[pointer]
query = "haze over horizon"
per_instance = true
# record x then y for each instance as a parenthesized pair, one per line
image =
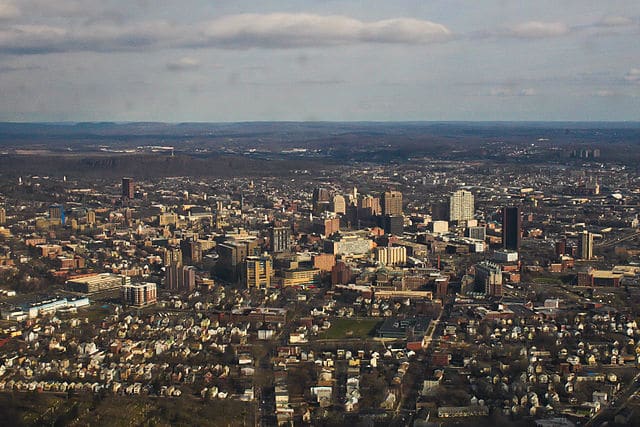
(72, 60)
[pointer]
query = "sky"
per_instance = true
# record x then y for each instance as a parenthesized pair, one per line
(378, 60)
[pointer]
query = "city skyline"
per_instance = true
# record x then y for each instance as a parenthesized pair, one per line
(338, 61)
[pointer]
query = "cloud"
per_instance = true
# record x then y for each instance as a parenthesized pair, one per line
(615, 21)
(507, 92)
(14, 68)
(538, 29)
(269, 31)
(605, 93)
(290, 30)
(8, 10)
(633, 75)
(182, 64)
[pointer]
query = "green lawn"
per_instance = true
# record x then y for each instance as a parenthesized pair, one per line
(348, 328)
(547, 280)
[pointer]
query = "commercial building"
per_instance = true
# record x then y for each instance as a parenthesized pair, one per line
(461, 206)
(396, 255)
(505, 255)
(391, 202)
(585, 247)
(300, 277)
(140, 294)
(347, 245)
(97, 282)
(279, 239)
(393, 224)
(477, 232)
(56, 213)
(180, 278)
(511, 228)
(489, 278)
(338, 204)
(258, 272)
(232, 255)
(326, 226)
(128, 188)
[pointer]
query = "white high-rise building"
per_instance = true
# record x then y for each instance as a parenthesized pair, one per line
(461, 206)
(395, 255)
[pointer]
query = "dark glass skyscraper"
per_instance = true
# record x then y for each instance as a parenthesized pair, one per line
(511, 227)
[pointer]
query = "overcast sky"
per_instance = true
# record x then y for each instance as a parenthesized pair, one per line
(197, 60)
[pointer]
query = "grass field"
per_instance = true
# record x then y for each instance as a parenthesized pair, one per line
(350, 328)
(547, 280)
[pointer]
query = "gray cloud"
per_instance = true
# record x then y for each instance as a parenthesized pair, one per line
(633, 76)
(508, 92)
(538, 29)
(615, 21)
(184, 63)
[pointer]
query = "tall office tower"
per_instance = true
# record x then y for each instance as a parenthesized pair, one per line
(393, 224)
(461, 207)
(353, 196)
(3, 216)
(321, 200)
(586, 245)
(57, 212)
(369, 206)
(128, 188)
(489, 278)
(338, 204)
(91, 217)
(279, 238)
(511, 228)
(258, 272)
(391, 202)
(191, 251)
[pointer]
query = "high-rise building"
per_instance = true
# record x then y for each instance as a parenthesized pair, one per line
(326, 226)
(340, 274)
(511, 228)
(321, 200)
(258, 272)
(461, 206)
(369, 206)
(57, 212)
(139, 294)
(188, 278)
(279, 239)
(3, 216)
(191, 251)
(391, 202)
(128, 188)
(338, 204)
(180, 278)
(586, 245)
(173, 256)
(393, 224)
(395, 255)
(91, 217)
(232, 255)
(489, 278)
